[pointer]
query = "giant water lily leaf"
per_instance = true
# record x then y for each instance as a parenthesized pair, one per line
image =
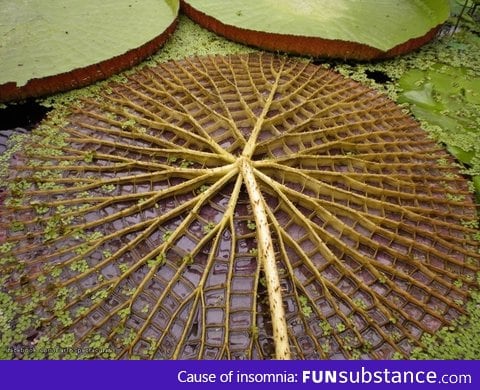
(247, 206)
(344, 28)
(48, 46)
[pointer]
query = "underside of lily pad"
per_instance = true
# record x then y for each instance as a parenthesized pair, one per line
(49, 47)
(343, 29)
(250, 206)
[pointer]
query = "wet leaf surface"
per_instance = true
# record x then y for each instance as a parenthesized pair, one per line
(133, 225)
(341, 29)
(53, 46)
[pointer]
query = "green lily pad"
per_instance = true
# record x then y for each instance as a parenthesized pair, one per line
(341, 28)
(51, 45)
(447, 97)
(476, 183)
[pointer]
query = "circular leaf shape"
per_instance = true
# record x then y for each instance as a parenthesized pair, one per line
(361, 30)
(248, 206)
(52, 46)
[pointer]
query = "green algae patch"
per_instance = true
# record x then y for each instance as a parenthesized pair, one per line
(189, 39)
(45, 39)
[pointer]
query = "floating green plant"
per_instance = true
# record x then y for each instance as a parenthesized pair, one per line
(447, 99)
(52, 47)
(342, 29)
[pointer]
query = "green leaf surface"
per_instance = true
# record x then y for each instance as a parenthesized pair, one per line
(379, 24)
(447, 97)
(476, 183)
(45, 38)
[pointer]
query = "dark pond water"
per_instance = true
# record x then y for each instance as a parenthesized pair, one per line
(19, 118)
